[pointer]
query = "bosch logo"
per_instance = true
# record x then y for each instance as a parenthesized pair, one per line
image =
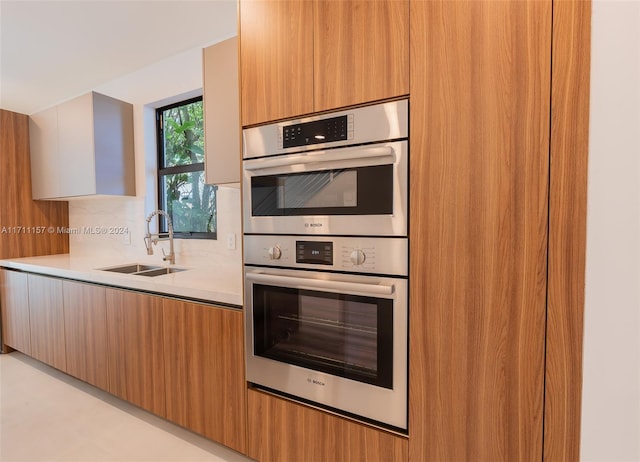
(313, 225)
(315, 382)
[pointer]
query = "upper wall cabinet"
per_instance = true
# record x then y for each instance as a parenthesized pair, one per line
(221, 113)
(276, 59)
(83, 147)
(361, 52)
(302, 57)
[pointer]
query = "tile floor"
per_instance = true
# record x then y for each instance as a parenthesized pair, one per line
(46, 415)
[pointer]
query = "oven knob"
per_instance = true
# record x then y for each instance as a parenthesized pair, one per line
(274, 253)
(358, 257)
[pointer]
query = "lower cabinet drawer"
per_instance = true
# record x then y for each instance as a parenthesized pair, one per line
(283, 431)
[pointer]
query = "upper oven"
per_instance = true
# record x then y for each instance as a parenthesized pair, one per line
(342, 173)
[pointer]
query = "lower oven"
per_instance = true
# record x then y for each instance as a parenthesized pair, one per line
(335, 339)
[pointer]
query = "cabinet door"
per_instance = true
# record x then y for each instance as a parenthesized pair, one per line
(14, 301)
(135, 346)
(76, 146)
(85, 323)
(480, 109)
(276, 59)
(221, 113)
(206, 389)
(280, 430)
(46, 315)
(45, 161)
(361, 51)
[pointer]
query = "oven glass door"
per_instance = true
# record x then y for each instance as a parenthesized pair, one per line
(353, 191)
(348, 336)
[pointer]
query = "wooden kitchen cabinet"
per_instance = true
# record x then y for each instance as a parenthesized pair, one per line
(204, 370)
(276, 59)
(480, 111)
(25, 223)
(361, 51)
(14, 302)
(302, 57)
(221, 113)
(281, 430)
(85, 322)
(46, 320)
(136, 349)
(83, 147)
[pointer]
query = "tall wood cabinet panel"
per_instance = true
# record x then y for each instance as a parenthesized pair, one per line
(276, 55)
(85, 322)
(14, 301)
(204, 370)
(567, 228)
(46, 319)
(28, 221)
(280, 430)
(480, 109)
(135, 345)
(361, 51)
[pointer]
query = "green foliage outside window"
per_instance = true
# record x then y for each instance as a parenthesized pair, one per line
(183, 193)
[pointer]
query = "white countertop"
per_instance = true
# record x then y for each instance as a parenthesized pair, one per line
(197, 283)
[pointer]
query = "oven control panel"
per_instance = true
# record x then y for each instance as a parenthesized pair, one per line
(316, 132)
(351, 254)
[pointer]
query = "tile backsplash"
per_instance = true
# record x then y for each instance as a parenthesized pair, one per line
(113, 228)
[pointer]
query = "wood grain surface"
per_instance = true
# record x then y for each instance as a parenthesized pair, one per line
(480, 109)
(24, 223)
(567, 228)
(276, 59)
(361, 51)
(283, 431)
(14, 302)
(204, 371)
(46, 319)
(135, 346)
(85, 325)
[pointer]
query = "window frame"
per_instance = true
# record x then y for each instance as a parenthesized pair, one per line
(162, 171)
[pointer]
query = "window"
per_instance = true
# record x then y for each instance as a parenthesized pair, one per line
(182, 192)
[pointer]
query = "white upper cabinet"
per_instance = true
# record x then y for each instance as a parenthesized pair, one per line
(83, 147)
(221, 113)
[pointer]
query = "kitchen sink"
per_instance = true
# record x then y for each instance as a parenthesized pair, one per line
(139, 269)
(160, 271)
(131, 268)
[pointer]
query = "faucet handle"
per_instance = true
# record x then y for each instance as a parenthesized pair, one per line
(168, 256)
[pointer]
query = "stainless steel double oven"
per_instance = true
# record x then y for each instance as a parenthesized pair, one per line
(326, 260)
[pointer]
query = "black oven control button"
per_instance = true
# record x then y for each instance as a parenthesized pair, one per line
(358, 257)
(274, 253)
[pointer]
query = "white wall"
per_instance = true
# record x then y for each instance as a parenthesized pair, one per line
(167, 81)
(611, 387)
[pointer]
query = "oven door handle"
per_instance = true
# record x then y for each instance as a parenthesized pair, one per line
(322, 284)
(335, 156)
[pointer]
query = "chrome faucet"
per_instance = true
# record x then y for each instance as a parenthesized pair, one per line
(150, 239)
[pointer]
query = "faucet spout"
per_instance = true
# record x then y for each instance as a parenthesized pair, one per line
(150, 238)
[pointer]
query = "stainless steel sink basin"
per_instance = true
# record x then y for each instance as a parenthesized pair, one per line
(160, 271)
(139, 269)
(131, 268)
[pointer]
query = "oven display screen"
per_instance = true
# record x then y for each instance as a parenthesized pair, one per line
(317, 253)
